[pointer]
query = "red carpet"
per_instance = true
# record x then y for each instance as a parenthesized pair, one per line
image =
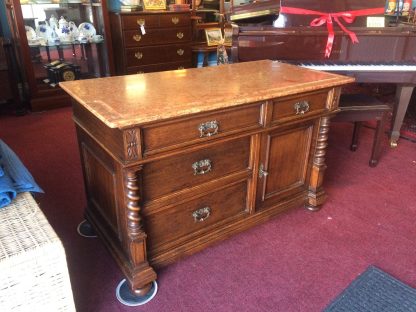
(299, 261)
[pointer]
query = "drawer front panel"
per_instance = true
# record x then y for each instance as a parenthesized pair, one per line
(194, 168)
(196, 216)
(158, 67)
(185, 132)
(175, 20)
(134, 38)
(299, 106)
(159, 54)
(134, 21)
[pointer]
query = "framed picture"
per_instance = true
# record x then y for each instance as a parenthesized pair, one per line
(154, 4)
(228, 36)
(214, 36)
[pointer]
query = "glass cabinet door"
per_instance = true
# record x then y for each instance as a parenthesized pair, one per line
(64, 40)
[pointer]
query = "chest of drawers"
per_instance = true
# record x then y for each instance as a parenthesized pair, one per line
(173, 163)
(163, 45)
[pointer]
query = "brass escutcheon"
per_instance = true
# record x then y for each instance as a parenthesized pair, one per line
(202, 214)
(180, 51)
(179, 35)
(140, 21)
(137, 38)
(138, 55)
(175, 20)
(301, 107)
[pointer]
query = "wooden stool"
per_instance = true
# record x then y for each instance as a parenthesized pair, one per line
(358, 108)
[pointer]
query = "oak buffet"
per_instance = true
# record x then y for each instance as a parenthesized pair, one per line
(175, 161)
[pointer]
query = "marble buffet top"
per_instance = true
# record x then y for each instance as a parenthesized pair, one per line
(123, 101)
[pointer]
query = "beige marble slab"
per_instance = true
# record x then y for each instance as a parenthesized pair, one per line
(123, 101)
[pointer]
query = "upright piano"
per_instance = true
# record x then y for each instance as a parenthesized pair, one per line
(384, 54)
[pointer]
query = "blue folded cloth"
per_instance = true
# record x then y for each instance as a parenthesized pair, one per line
(14, 177)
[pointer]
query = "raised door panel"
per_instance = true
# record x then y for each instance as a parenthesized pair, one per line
(284, 164)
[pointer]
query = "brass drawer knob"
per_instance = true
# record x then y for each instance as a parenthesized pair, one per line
(202, 214)
(179, 35)
(175, 20)
(138, 55)
(180, 51)
(202, 167)
(301, 107)
(140, 21)
(137, 37)
(208, 129)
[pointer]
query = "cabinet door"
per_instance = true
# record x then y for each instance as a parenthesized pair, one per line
(284, 167)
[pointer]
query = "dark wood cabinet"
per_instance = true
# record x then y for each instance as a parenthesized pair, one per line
(151, 41)
(171, 167)
(90, 58)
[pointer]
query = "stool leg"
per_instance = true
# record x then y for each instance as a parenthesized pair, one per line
(378, 138)
(355, 134)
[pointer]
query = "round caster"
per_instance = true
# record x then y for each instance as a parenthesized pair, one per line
(126, 297)
(85, 230)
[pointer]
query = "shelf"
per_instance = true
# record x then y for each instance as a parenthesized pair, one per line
(91, 59)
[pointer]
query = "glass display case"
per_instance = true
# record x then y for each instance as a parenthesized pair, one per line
(61, 40)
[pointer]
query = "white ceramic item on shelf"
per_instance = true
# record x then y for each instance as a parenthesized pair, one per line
(30, 33)
(53, 22)
(64, 34)
(97, 38)
(44, 31)
(87, 30)
(62, 22)
(54, 39)
(74, 29)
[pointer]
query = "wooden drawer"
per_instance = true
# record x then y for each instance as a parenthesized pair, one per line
(182, 132)
(175, 20)
(133, 38)
(159, 54)
(195, 168)
(184, 221)
(134, 21)
(159, 67)
(299, 106)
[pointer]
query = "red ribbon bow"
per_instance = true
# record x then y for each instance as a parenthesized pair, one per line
(326, 18)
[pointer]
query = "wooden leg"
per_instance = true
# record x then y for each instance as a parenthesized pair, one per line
(316, 195)
(378, 138)
(403, 95)
(355, 135)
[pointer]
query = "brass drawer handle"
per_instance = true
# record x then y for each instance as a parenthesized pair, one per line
(180, 51)
(181, 67)
(140, 21)
(208, 129)
(140, 72)
(202, 214)
(301, 107)
(175, 20)
(179, 35)
(137, 38)
(138, 55)
(202, 167)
